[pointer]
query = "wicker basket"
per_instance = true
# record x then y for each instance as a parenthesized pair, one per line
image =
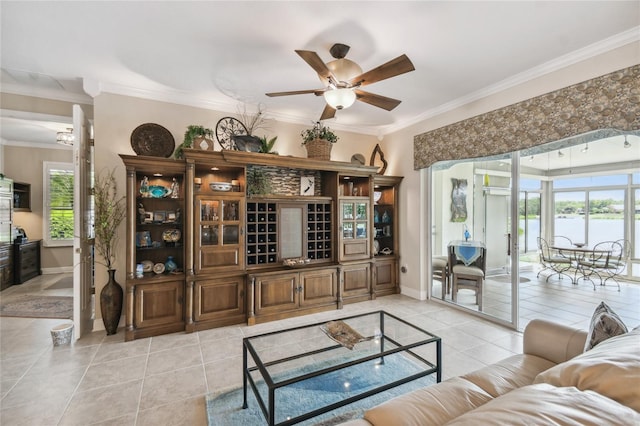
(319, 149)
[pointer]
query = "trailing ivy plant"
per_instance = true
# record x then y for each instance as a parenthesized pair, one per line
(319, 131)
(193, 132)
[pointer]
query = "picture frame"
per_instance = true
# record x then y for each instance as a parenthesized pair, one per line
(159, 216)
(170, 217)
(307, 185)
(148, 217)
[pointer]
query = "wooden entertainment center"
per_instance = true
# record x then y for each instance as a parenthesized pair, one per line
(337, 219)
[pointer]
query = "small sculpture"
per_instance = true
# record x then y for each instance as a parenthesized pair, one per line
(144, 187)
(175, 189)
(467, 235)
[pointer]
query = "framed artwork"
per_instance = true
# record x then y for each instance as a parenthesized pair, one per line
(307, 185)
(171, 216)
(159, 216)
(459, 200)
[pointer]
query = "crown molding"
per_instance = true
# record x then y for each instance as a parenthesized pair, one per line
(56, 95)
(595, 49)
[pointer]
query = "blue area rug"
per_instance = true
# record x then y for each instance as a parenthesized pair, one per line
(225, 409)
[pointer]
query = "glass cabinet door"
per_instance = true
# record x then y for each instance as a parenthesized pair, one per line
(220, 239)
(355, 229)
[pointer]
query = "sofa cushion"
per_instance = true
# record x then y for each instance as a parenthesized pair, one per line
(543, 404)
(508, 374)
(431, 405)
(612, 369)
(605, 323)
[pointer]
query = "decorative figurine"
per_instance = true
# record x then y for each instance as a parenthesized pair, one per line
(467, 235)
(141, 212)
(144, 187)
(175, 189)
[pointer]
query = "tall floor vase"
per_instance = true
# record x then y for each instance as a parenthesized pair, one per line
(111, 303)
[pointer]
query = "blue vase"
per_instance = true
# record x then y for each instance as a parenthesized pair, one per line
(170, 265)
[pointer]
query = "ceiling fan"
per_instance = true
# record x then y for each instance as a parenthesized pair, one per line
(343, 79)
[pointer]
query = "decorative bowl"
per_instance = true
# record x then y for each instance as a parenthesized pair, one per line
(220, 186)
(158, 191)
(147, 266)
(171, 235)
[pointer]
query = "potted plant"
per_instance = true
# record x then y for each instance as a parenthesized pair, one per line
(252, 122)
(194, 135)
(318, 141)
(266, 146)
(110, 209)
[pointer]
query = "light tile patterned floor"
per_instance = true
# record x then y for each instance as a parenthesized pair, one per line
(162, 380)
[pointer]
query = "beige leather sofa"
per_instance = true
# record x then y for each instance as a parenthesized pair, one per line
(552, 383)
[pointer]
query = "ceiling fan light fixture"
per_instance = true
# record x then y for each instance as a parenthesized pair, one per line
(65, 138)
(343, 69)
(340, 98)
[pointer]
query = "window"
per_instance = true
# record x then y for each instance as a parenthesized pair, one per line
(58, 204)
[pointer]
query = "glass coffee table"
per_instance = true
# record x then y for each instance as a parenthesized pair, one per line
(302, 372)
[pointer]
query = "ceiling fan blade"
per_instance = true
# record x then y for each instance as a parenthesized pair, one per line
(394, 67)
(317, 92)
(377, 100)
(316, 63)
(328, 112)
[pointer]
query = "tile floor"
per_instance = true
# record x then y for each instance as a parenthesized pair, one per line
(162, 380)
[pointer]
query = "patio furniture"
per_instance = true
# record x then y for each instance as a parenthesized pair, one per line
(554, 261)
(468, 261)
(605, 261)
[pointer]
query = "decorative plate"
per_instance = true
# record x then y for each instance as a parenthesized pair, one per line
(158, 191)
(158, 268)
(147, 266)
(171, 235)
(153, 140)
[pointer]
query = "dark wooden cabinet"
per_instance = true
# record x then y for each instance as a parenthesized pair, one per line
(156, 231)
(6, 266)
(158, 308)
(247, 256)
(21, 197)
(281, 294)
(218, 302)
(26, 261)
(356, 282)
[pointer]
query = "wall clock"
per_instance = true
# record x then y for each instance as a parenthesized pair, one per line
(307, 185)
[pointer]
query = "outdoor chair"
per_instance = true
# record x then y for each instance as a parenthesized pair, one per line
(467, 277)
(605, 262)
(555, 262)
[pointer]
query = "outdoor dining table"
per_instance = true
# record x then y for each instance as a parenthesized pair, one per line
(577, 253)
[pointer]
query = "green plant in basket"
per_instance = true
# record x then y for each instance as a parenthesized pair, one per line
(193, 132)
(319, 131)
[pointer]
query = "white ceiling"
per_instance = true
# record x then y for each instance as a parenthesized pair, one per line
(221, 54)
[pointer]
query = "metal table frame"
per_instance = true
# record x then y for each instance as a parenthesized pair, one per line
(268, 408)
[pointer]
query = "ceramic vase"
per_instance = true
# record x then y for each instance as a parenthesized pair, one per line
(111, 303)
(170, 264)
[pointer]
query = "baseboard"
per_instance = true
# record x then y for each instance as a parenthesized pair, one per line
(57, 270)
(413, 293)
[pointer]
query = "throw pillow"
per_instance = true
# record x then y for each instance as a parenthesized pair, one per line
(604, 324)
